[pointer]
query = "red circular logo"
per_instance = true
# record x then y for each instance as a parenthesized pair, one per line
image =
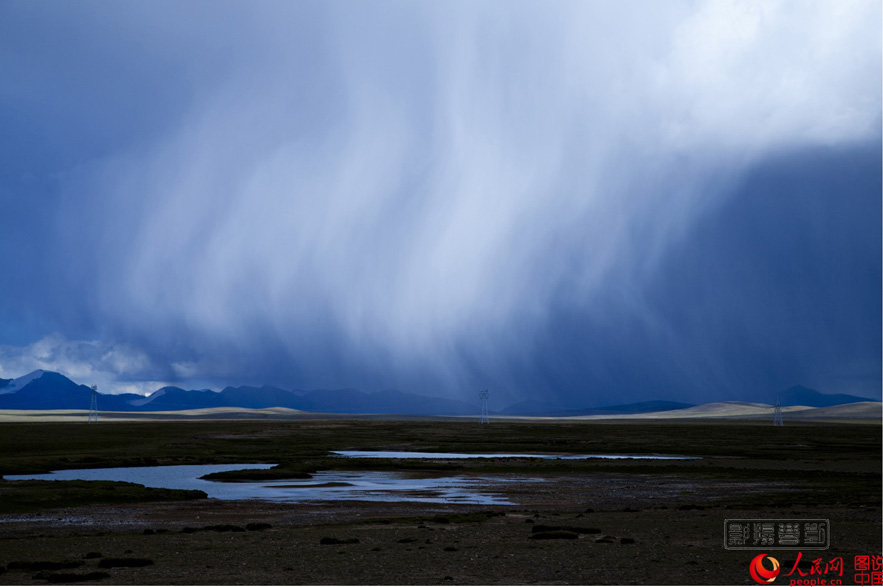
(760, 573)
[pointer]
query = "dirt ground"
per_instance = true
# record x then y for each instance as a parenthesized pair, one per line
(631, 529)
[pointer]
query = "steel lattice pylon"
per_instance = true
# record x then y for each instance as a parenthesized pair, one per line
(93, 406)
(484, 415)
(777, 414)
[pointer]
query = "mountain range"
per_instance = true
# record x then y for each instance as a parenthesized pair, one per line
(48, 390)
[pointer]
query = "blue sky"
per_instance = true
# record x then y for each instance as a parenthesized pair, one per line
(580, 203)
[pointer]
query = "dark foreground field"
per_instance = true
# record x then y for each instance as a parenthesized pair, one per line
(608, 522)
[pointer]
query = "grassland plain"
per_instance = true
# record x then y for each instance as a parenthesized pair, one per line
(607, 521)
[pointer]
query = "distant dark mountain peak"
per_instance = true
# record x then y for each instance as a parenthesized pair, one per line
(175, 398)
(44, 390)
(15, 385)
(798, 395)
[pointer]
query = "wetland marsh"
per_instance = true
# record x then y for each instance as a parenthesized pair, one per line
(657, 520)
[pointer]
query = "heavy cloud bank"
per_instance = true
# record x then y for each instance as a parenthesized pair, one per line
(582, 202)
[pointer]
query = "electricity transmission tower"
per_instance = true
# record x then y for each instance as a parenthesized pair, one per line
(93, 406)
(484, 416)
(777, 414)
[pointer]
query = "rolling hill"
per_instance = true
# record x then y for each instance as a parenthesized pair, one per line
(534, 408)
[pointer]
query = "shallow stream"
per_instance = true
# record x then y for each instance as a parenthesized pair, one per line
(390, 454)
(331, 485)
(323, 486)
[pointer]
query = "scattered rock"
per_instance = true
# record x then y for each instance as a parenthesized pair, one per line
(43, 565)
(544, 528)
(554, 535)
(71, 577)
(224, 528)
(330, 540)
(109, 563)
(576, 529)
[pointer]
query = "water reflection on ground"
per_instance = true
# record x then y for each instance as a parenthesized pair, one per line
(324, 485)
(393, 486)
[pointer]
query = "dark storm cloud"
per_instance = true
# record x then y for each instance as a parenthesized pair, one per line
(550, 201)
(776, 286)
